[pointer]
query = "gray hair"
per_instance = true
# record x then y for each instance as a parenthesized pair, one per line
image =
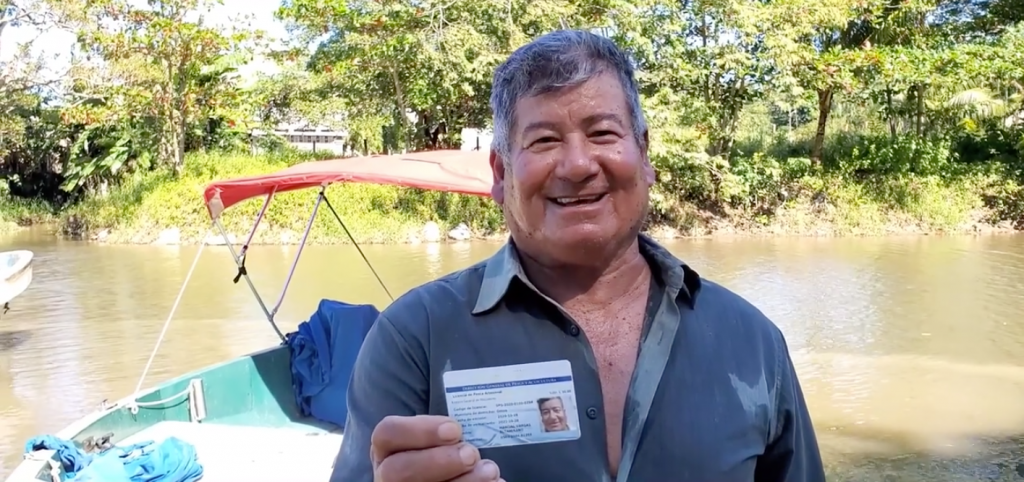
(554, 61)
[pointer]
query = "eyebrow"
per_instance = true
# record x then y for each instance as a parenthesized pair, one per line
(587, 121)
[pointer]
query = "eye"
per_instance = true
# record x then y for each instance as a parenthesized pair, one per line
(544, 140)
(605, 136)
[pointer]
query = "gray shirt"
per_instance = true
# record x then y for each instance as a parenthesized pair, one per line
(714, 396)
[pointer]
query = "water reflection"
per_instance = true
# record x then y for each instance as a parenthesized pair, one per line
(909, 350)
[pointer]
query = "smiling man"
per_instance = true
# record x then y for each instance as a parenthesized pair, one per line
(672, 376)
(552, 414)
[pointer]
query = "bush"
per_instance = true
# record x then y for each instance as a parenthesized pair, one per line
(879, 187)
(16, 212)
(139, 208)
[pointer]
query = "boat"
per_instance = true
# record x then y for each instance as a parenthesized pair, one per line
(15, 276)
(273, 415)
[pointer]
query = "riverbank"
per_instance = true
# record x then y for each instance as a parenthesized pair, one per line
(156, 208)
(16, 213)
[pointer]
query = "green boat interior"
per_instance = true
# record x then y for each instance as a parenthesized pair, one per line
(241, 416)
(274, 415)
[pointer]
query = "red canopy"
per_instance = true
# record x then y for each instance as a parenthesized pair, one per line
(466, 172)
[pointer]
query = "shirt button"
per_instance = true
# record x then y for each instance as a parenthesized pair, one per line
(592, 413)
(574, 330)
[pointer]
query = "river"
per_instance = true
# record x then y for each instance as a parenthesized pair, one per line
(910, 350)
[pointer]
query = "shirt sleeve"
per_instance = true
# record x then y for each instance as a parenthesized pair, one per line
(792, 455)
(390, 377)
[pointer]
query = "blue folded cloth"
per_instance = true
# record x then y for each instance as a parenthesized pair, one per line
(171, 460)
(323, 352)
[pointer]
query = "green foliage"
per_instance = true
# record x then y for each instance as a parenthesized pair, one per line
(799, 116)
(162, 71)
(16, 211)
(139, 208)
(411, 74)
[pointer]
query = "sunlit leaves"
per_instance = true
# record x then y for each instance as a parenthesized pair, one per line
(148, 74)
(422, 70)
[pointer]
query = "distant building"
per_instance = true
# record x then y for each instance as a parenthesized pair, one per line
(315, 138)
(318, 138)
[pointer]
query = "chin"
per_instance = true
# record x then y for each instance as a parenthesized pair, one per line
(580, 246)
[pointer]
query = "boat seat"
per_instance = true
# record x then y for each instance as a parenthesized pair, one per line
(232, 453)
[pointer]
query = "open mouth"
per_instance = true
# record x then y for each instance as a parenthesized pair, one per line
(577, 201)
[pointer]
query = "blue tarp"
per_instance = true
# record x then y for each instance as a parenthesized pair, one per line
(323, 352)
(171, 460)
(71, 458)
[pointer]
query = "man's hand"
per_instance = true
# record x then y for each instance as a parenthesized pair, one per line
(426, 448)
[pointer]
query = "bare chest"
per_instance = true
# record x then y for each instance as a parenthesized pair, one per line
(614, 335)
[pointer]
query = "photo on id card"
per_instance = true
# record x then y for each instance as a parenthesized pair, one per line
(514, 404)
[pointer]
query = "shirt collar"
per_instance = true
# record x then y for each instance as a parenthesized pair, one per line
(504, 266)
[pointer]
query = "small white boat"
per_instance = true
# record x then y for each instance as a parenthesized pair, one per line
(15, 275)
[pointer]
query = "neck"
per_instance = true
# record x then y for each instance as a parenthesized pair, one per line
(600, 284)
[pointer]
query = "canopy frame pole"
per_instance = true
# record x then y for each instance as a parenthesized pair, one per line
(242, 271)
(298, 254)
(240, 262)
(256, 223)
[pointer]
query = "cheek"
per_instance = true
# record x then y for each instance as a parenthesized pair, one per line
(525, 187)
(530, 174)
(632, 204)
(516, 208)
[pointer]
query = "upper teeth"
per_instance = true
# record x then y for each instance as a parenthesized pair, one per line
(566, 200)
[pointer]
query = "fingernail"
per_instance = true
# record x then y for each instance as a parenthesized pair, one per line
(448, 431)
(466, 453)
(490, 470)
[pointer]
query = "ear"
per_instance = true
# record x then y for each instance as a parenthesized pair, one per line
(648, 169)
(498, 169)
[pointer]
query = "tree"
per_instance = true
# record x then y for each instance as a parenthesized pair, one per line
(421, 70)
(154, 70)
(22, 78)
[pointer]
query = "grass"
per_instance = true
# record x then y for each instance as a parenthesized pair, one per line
(139, 208)
(16, 212)
(829, 204)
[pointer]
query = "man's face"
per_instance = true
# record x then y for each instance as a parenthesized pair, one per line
(578, 178)
(552, 413)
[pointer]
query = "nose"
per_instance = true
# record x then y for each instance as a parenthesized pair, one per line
(576, 163)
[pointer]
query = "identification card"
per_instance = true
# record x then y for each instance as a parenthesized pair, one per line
(515, 404)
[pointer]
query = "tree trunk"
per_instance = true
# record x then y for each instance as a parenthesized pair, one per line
(920, 110)
(179, 152)
(824, 109)
(400, 102)
(890, 116)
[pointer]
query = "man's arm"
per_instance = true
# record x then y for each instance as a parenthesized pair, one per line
(390, 377)
(792, 455)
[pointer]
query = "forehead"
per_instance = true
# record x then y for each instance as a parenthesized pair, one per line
(601, 96)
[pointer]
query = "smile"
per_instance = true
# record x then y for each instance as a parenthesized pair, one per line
(576, 201)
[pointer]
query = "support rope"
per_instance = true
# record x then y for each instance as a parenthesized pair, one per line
(134, 405)
(351, 238)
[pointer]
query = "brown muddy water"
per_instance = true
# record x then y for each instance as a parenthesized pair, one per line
(910, 350)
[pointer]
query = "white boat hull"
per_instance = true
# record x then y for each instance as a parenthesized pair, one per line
(15, 274)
